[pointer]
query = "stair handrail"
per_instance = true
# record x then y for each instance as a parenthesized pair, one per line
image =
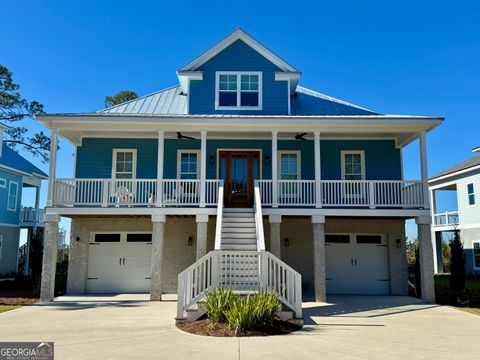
(218, 230)
(258, 218)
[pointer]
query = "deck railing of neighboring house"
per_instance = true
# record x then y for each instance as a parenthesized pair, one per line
(287, 193)
(30, 215)
(447, 218)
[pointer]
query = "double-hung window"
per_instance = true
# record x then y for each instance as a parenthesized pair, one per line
(238, 91)
(353, 169)
(476, 254)
(124, 163)
(471, 194)
(289, 169)
(12, 196)
(188, 164)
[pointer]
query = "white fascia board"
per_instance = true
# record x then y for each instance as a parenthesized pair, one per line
(456, 173)
(238, 34)
(184, 78)
(292, 77)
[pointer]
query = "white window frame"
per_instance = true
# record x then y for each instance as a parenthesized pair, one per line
(239, 90)
(3, 183)
(353, 152)
(114, 163)
(298, 153)
(8, 196)
(179, 161)
(468, 195)
(473, 253)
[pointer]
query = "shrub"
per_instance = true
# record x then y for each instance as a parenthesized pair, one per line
(265, 305)
(241, 315)
(218, 302)
(457, 264)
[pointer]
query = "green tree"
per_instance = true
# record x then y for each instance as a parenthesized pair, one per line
(120, 97)
(457, 264)
(14, 108)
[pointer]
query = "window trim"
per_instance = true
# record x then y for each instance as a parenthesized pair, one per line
(1, 245)
(362, 162)
(473, 193)
(473, 254)
(3, 183)
(8, 196)
(239, 90)
(299, 162)
(180, 152)
(114, 163)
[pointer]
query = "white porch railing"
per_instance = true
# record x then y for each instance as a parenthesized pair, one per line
(258, 219)
(28, 215)
(239, 271)
(218, 229)
(447, 218)
(128, 192)
(345, 193)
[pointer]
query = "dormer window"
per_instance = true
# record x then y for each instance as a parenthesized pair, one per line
(238, 91)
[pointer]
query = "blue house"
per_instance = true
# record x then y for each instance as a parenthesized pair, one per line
(16, 173)
(238, 176)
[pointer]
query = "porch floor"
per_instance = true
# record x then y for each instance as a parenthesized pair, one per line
(348, 327)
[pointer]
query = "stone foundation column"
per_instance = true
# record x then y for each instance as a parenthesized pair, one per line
(426, 258)
(275, 241)
(47, 287)
(157, 257)
(202, 227)
(78, 258)
(318, 223)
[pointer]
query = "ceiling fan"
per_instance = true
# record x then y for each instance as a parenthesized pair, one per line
(300, 136)
(181, 136)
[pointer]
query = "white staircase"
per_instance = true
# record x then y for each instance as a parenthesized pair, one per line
(239, 262)
(238, 229)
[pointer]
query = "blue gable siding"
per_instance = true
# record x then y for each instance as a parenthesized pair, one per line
(238, 57)
(382, 158)
(6, 216)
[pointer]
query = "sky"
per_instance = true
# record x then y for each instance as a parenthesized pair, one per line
(394, 57)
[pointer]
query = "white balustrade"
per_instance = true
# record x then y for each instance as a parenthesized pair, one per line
(448, 218)
(30, 215)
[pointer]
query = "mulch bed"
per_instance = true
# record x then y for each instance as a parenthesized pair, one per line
(207, 328)
(17, 301)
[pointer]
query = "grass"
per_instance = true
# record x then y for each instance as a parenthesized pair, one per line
(444, 281)
(4, 308)
(475, 311)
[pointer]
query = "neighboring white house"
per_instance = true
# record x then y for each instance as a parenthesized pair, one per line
(464, 179)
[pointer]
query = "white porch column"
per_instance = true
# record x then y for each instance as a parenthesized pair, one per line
(203, 167)
(52, 170)
(275, 239)
(160, 157)
(158, 234)
(47, 286)
(202, 230)
(318, 171)
(274, 169)
(424, 168)
(433, 209)
(425, 253)
(319, 279)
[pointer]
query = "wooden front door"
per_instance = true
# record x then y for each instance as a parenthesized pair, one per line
(239, 169)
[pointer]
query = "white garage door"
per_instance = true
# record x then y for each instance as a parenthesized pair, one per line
(357, 264)
(119, 263)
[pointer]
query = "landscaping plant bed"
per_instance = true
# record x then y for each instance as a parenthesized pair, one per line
(17, 301)
(207, 328)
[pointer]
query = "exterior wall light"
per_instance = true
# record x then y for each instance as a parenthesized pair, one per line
(399, 243)
(287, 242)
(190, 241)
(212, 159)
(77, 239)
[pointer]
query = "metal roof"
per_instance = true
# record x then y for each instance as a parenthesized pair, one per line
(171, 101)
(470, 163)
(15, 161)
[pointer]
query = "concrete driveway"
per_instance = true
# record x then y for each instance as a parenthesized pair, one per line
(348, 327)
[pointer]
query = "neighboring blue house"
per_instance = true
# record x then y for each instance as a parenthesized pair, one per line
(238, 176)
(16, 173)
(464, 180)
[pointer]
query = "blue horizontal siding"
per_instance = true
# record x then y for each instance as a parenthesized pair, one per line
(382, 158)
(238, 57)
(6, 216)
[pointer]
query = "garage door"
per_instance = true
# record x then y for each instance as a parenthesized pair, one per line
(119, 263)
(357, 264)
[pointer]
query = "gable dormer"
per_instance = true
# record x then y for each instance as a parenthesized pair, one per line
(239, 76)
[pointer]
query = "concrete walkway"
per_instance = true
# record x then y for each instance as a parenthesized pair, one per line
(349, 327)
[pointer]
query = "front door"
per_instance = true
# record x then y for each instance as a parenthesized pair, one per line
(239, 169)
